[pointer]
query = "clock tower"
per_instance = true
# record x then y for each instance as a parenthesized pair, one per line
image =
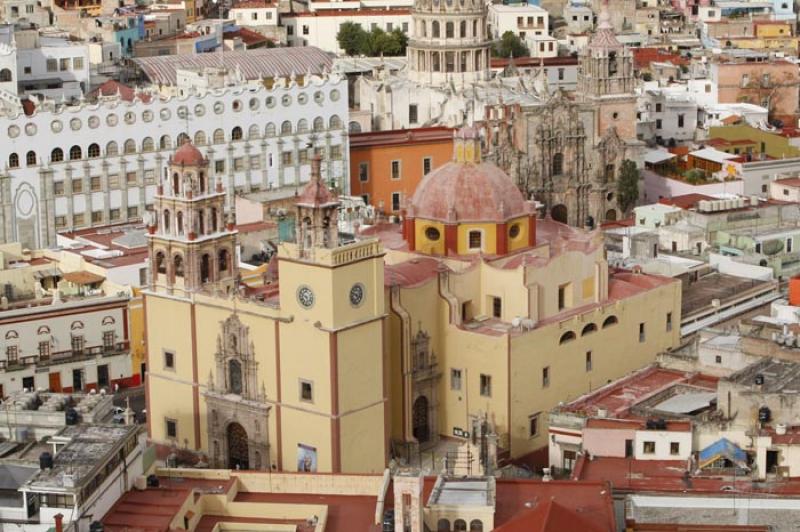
(332, 294)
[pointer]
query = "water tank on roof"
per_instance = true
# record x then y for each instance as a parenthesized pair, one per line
(704, 205)
(96, 526)
(152, 481)
(71, 416)
(764, 414)
(759, 379)
(45, 461)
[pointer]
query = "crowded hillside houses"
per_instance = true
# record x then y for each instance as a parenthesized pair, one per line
(399, 265)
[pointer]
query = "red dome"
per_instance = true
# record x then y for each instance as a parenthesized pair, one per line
(458, 192)
(188, 155)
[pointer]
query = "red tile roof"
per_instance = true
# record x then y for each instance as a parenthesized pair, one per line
(686, 201)
(401, 137)
(642, 57)
(356, 12)
(789, 181)
(112, 88)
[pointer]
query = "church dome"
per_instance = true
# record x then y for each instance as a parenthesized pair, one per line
(188, 155)
(464, 192)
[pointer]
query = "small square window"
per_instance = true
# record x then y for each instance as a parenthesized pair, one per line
(133, 212)
(172, 428)
(533, 426)
(718, 359)
(77, 185)
(169, 360)
(455, 379)
(58, 188)
(219, 166)
(475, 240)
(674, 448)
(306, 391)
(130, 178)
(649, 447)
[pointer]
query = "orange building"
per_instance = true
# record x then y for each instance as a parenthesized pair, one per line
(387, 166)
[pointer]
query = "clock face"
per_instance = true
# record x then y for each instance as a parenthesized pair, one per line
(357, 294)
(305, 296)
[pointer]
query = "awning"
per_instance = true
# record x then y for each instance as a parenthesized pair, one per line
(47, 272)
(686, 403)
(82, 277)
(658, 156)
(723, 448)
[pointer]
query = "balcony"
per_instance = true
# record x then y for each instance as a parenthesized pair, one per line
(62, 357)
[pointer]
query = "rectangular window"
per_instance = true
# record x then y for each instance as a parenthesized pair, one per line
(169, 360)
(286, 158)
(60, 221)
(238, 164)
(658, 108)
(97, 217)
(475, 240)
(588, 361)
(306, 391)
(109, 340)
(255, 162)
(533, 426)
(455, 379)
(389, 26)
(130, 178)
(562, 296)
(133, 212)
(669, 321)
(219, 166)
(77, 63)
(395, 201)
(12, 353)
(363, 172)
(789, 242)
(546, 377)
(674, 447)
(658, 123)
(649, 447)
(78, 343)
(303, 156)
(27, 70)
(412, 113)
(44, 349)
(641, 332)
(395, 169)
(497, 307)
(680, 120)
(336, 152)
(427, 165)
(58, 188)
(305, 29)
(77, 219)
(63, 64)
(113, 181)
(77, 185)
(172, 428)
(405, 27)
(560, 74)
(149, 177)
(486, 385)
(52, 65)
(718, 359)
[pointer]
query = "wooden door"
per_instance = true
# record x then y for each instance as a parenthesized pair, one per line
(55, 382)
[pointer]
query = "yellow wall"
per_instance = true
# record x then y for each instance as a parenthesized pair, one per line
(422, 243)
(489, 240)
(521, 240)
(138, 343)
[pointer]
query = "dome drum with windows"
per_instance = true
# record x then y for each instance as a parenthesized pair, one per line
(468, 206)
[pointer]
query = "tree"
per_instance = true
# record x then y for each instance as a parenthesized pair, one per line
(510, 44)
(628, 185)
(351, 38)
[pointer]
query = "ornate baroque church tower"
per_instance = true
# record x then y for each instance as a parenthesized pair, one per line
(191, 246)
(450, 42)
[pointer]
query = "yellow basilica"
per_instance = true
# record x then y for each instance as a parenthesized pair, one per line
(471, 313)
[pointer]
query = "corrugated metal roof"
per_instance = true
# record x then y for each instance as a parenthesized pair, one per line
(253, 64)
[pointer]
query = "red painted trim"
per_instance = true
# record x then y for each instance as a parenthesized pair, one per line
(125, 323)
(147, 402)
(451, 240)
(195, 383)
(409, 228)
(532, 230)
(278, 405)
(564, 433)
(501, 231)
(56, 314)
(336, 455)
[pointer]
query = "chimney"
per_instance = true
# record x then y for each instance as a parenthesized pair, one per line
(59, 522)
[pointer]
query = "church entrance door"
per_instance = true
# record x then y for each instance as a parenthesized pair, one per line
(559, 213)
(422, 431)
(238, 451)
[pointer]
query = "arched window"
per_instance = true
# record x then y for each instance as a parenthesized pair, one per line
(566, 337)
(302, 126)
(219, 136)
(234, 377)
(161, 264)
(129, 147)
(183, 138)
(75, 153)
(223, 260)
(443, 525)
(589, 329)
(286, 128)
(474, 28)
(336, 122)
(609, 321)
(354, 127)
(319, 124)
(214, 223)
(148, 144)
(179, 222)
(178, 265)
(112, 149)
(93, 151)
(253, 132)
(201, 178)
(57, 155)
(205, 268)
(165, 142)
(459, 525)
(448, 32)
(236, 133)
(201, 223)
(166, 220)
(557, 167)
(200, 138)
(176, 182)
(435, 29)
(476, 525)
(13, 161)
(463, 29)
(5, 75)
(30, 158)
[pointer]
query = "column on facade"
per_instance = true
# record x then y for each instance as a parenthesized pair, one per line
(296, 159)
(230, 187)
(122, 178)
(142, 187)
(87, 193)
(247, 169)
(46, 207)
(69, 196)
(281, 177)
(264, 168)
